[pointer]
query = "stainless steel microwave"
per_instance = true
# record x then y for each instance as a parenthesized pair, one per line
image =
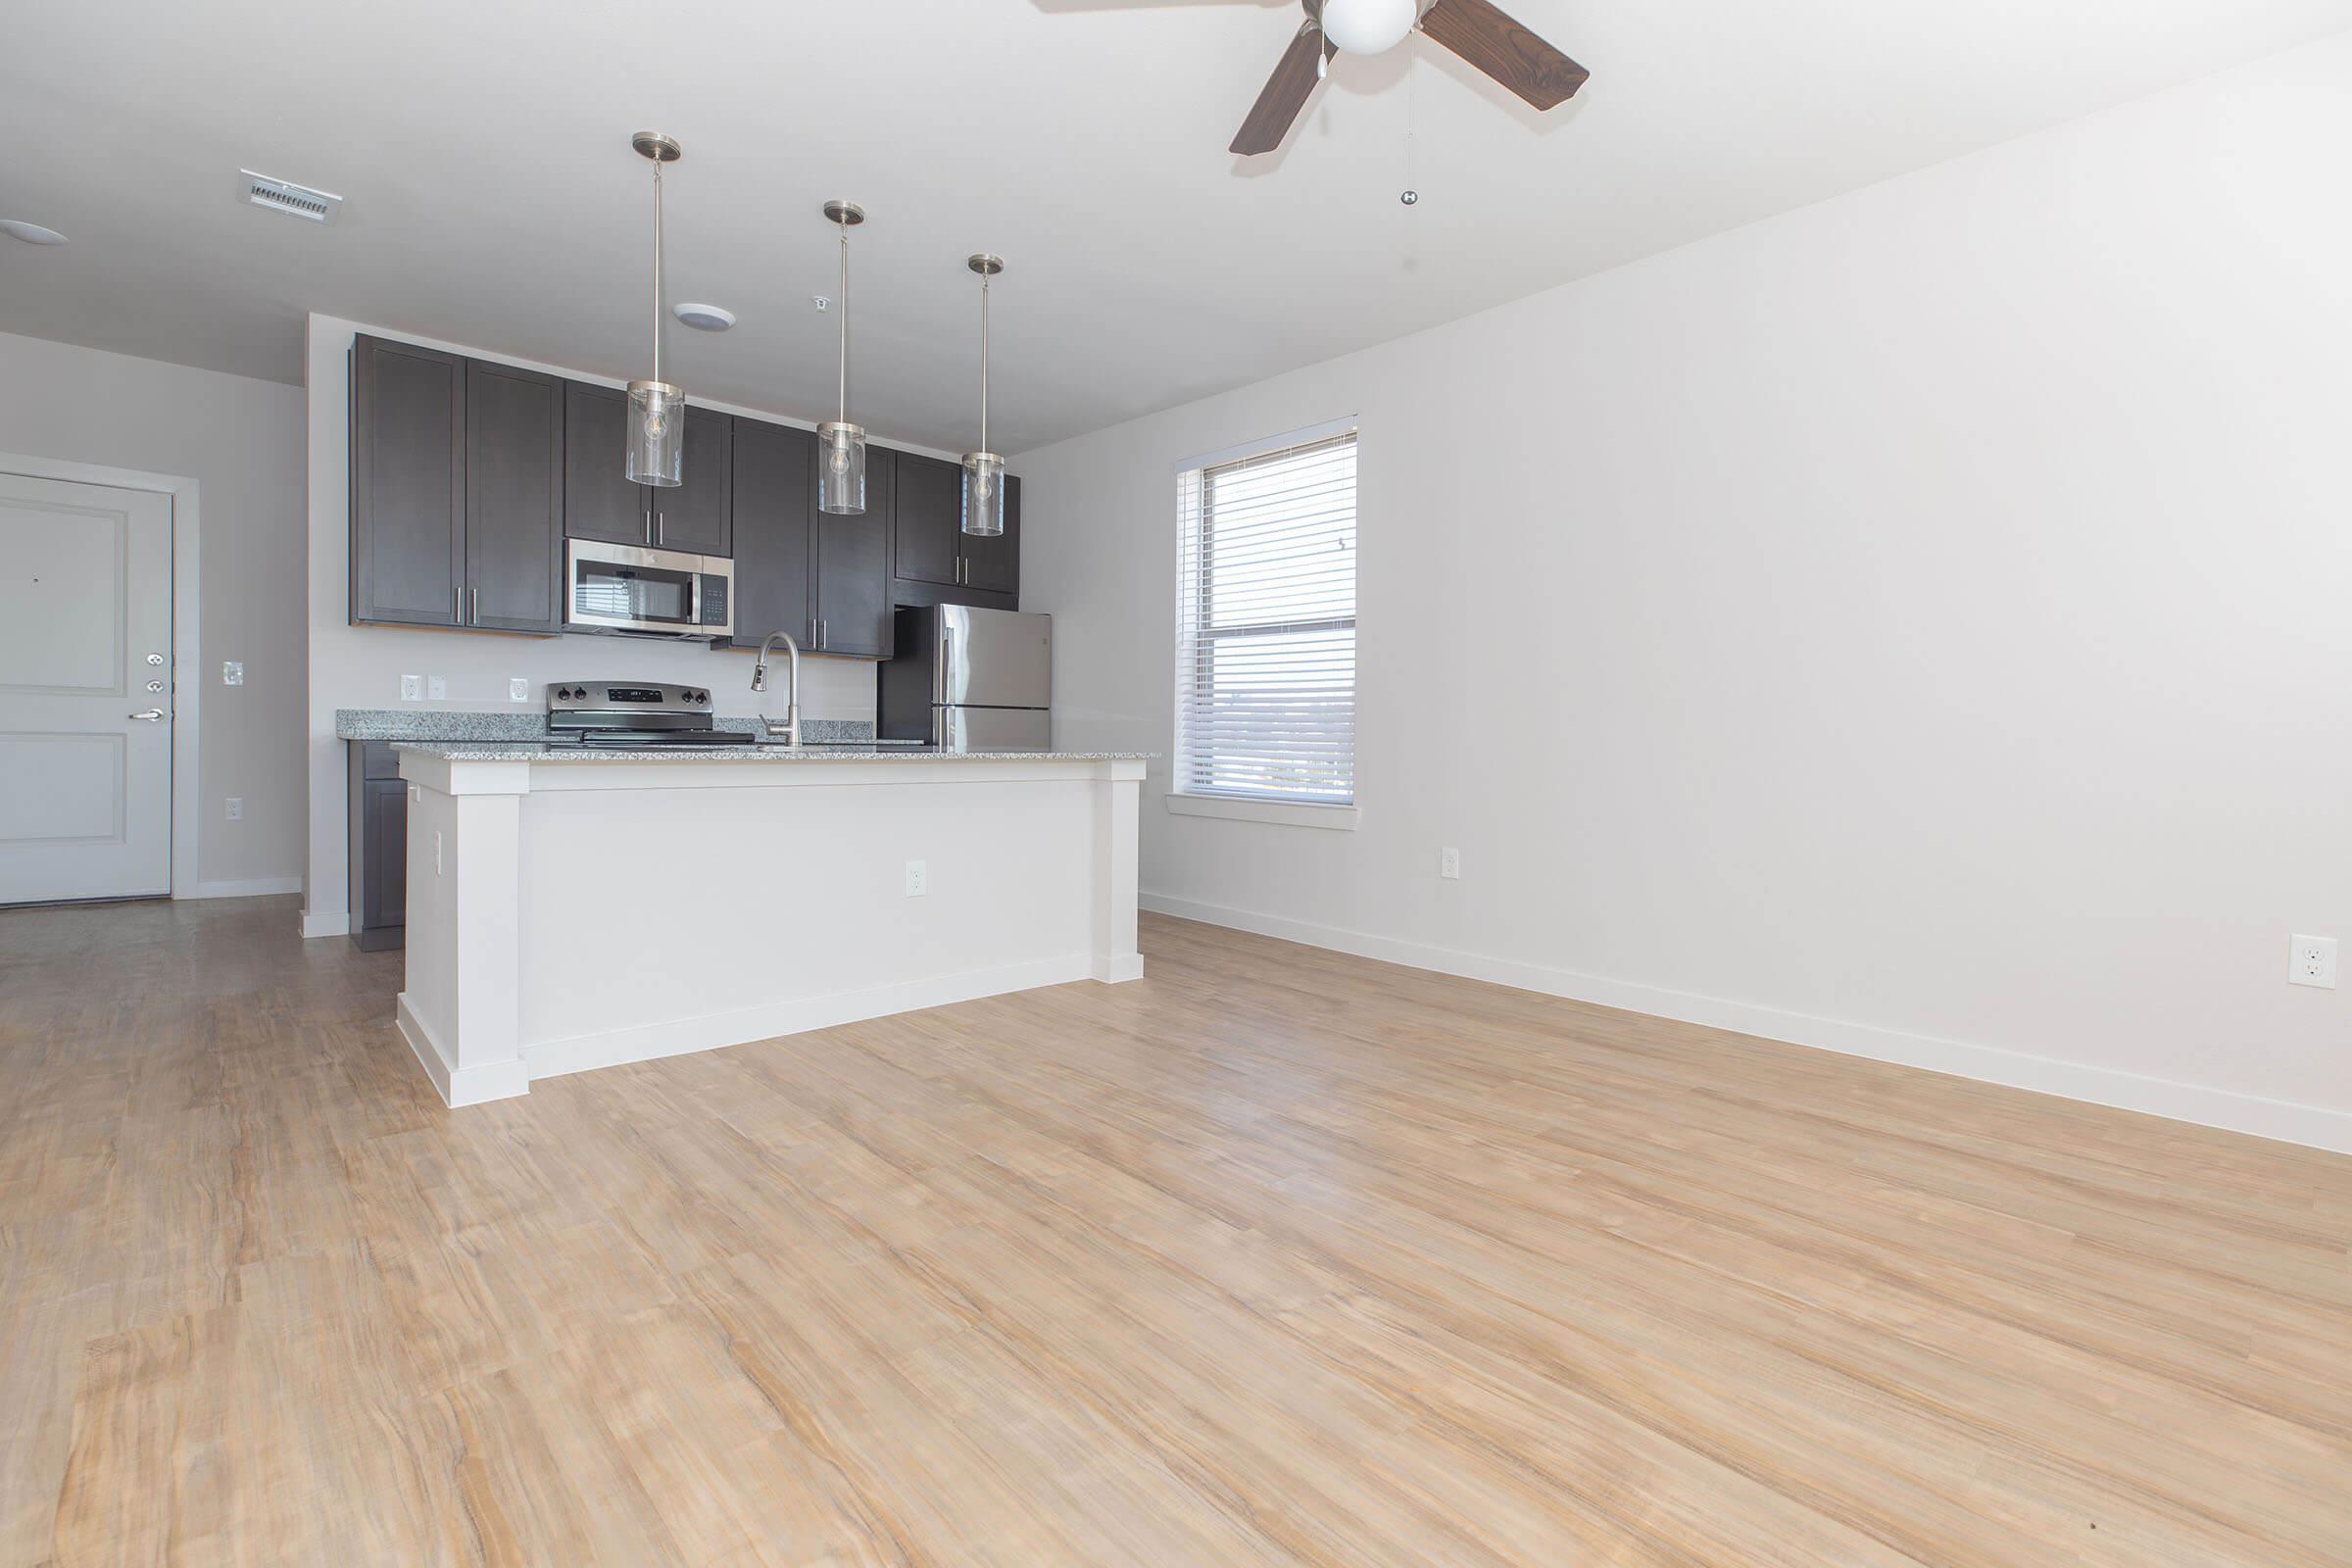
(661, 593)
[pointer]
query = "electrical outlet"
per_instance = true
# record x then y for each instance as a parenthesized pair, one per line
(437, 687)
(411, 688)
(232, 673)
(1449, 865)
(2311, 961)
(237, 807)
(518, 690)
(919, 879)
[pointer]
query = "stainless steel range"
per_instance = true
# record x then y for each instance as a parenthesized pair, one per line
(589, 712)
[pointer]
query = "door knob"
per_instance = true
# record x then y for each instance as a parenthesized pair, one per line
(153, 715)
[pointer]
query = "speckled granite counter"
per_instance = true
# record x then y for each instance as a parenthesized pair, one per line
(859, 752)
(450, 724)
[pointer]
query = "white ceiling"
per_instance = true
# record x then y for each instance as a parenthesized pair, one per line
(493, 199)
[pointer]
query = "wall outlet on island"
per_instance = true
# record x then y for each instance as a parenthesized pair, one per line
(518, 690)
(919, 879)
(1449, 865)
(411, 688)
(437, 687)
(237, 807)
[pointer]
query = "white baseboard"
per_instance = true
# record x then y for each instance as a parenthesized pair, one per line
(459, 1086)
(553, 1058)
(1118, 969)
(2316, 1126)
(332, 923)
(252, 888)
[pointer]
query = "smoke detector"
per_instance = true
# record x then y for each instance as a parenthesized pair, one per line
(705, 318)
(284, 196)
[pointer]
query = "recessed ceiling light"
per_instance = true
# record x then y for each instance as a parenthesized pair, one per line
(30, 233)
(706, 317)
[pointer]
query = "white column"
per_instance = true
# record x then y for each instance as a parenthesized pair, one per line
(462, 1009)
(1116, 794)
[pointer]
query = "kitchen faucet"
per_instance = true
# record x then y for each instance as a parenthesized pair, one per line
(788, 732)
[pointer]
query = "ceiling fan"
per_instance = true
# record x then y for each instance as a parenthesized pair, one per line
(1472, 28)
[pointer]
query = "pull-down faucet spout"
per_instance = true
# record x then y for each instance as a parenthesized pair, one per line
(787, 733)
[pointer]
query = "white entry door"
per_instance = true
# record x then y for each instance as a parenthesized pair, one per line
(85, 691)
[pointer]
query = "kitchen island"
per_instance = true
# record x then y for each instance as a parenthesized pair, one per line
(572, 907)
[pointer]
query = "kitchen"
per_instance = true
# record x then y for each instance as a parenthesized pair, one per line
(1196, 782)
(489, 497)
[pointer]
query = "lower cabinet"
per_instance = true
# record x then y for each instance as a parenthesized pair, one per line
(380, 847)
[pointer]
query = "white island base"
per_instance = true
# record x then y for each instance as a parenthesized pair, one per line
(565, 915)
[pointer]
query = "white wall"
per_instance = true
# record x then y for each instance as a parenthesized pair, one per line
(1916, 624)
(360, 667)
(241, 441)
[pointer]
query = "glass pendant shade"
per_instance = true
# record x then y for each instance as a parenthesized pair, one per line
(657, 433)
(983, 494)
(840, 468)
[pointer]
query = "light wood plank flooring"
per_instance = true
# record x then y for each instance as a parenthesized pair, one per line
(1278, 1257)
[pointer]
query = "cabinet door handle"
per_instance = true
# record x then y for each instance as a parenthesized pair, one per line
(820, 632)
(474, 606)
(660, 527)
(456, 605)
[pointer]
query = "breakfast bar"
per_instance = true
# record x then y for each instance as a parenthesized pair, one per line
(572, 907)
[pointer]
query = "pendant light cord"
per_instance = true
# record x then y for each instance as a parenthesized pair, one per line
(656, 269)
(841, 411)
(984, 281)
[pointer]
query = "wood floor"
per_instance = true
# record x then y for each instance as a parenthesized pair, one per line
(1277, 1256)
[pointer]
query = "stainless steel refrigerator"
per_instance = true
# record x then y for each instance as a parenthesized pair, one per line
(969, 680)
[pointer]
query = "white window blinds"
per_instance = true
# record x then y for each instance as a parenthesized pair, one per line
(1265, 626)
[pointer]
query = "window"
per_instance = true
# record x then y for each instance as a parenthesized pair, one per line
(1265, 626)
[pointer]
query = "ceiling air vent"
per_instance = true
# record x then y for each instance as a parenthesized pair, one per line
(281, 196)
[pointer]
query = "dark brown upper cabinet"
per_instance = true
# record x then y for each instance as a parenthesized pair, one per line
(408, 485)
(698, 512)
(994, 564)
(853, 568)
(824, 578)
(775, 551)
(933, 552)
(514, 499)
(600, 502)
(930, 521)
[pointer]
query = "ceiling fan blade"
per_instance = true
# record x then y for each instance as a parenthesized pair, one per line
(1285, 93)
(1504, 50)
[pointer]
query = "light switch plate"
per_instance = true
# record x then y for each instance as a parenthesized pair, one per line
(411, 688)
(518, 690)
(2311, 961)
(232, 673)
(437, 686)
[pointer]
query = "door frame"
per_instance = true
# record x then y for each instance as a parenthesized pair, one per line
(187, 676)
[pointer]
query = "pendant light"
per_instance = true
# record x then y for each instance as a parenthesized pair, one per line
(841, 445)
(657, 410)
(984, 470)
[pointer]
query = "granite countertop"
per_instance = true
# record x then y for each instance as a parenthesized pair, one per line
(539, 752)
(460, 724)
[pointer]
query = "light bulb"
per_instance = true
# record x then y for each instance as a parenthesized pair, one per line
(986, 486)
(841, 459)
(1368, 27)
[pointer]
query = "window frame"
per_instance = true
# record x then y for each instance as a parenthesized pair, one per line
(1198, 637)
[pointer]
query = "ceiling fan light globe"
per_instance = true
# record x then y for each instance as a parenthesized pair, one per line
(1368, 27)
